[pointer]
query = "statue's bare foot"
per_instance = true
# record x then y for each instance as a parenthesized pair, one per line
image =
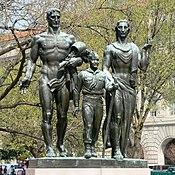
(63, 151)
(88, 154)
(125, 155)
(117, 155)
(50, 152)
(94, 153)
(63, 154)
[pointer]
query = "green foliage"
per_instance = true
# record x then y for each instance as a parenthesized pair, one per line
(156, 84)
(10, 154)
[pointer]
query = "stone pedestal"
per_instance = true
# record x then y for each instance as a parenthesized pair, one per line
(82, 166)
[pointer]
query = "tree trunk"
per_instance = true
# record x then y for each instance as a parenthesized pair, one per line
(136, 148)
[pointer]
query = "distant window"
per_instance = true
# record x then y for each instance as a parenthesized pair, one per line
(172, 109)
(153, 113)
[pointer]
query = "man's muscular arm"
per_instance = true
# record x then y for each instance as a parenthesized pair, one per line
(74, 51)
(31, 64)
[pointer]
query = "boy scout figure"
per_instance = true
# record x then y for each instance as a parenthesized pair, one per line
(92, 83)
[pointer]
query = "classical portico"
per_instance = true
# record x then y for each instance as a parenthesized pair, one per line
(158, 131)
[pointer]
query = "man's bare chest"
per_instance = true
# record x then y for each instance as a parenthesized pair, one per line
(54, 42)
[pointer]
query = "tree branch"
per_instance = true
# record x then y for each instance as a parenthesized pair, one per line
(20, 133)
(13, 46)
(19, 103)
(7, 90)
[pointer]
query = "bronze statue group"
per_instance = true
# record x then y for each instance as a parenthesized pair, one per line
(60, 54)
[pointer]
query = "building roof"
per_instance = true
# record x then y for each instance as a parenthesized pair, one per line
(20, 34)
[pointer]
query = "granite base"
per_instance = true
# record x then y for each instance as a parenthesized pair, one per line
(82, 166)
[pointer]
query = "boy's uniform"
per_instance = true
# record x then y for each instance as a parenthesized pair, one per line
(92, 83)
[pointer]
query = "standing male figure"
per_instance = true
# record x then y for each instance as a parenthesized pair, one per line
(92, 83)
(53, 48)
(124, 59)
